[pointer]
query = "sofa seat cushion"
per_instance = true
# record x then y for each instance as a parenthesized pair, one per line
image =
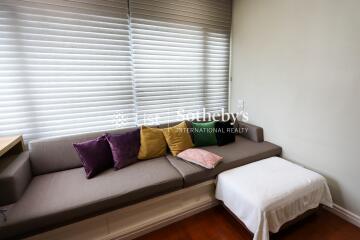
(62, 197)
(238, 153)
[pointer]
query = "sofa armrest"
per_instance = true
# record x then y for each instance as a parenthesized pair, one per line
(250, 131)
(15, 175)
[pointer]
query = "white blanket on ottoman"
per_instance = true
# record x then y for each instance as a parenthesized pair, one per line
(266, 194)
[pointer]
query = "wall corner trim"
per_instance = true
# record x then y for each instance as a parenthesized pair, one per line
(345, 214)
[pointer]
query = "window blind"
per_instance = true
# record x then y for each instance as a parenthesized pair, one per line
(180, 51)
(65, 67)
(71, 66)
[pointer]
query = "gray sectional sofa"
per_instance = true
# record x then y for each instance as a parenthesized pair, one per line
(46, 186)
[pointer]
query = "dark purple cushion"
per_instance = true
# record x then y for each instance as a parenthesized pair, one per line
(124, 147)
(95, 155)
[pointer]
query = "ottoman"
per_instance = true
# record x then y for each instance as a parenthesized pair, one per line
(266, 194)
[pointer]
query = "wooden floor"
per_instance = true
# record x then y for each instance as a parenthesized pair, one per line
(217, 223)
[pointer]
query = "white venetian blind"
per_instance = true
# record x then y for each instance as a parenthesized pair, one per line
(180, 51)
(65, 67)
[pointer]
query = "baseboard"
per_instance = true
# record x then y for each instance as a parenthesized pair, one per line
(345, 214)
(165, 222)
(133, 221)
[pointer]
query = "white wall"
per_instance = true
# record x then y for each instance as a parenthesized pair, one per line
(296, 63)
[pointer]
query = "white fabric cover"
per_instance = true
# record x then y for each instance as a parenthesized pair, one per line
(266, 194)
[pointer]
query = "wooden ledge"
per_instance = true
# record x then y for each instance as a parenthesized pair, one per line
(8, 144)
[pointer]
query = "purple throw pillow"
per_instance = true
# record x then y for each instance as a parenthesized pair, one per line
(124, 147)
(95, 155)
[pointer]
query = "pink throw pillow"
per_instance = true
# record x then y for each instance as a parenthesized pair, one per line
(201, 157)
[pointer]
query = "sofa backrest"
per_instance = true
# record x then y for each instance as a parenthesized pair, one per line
(57, 153)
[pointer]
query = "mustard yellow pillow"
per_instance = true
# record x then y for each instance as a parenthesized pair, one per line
(178, 138)
(152, 143)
